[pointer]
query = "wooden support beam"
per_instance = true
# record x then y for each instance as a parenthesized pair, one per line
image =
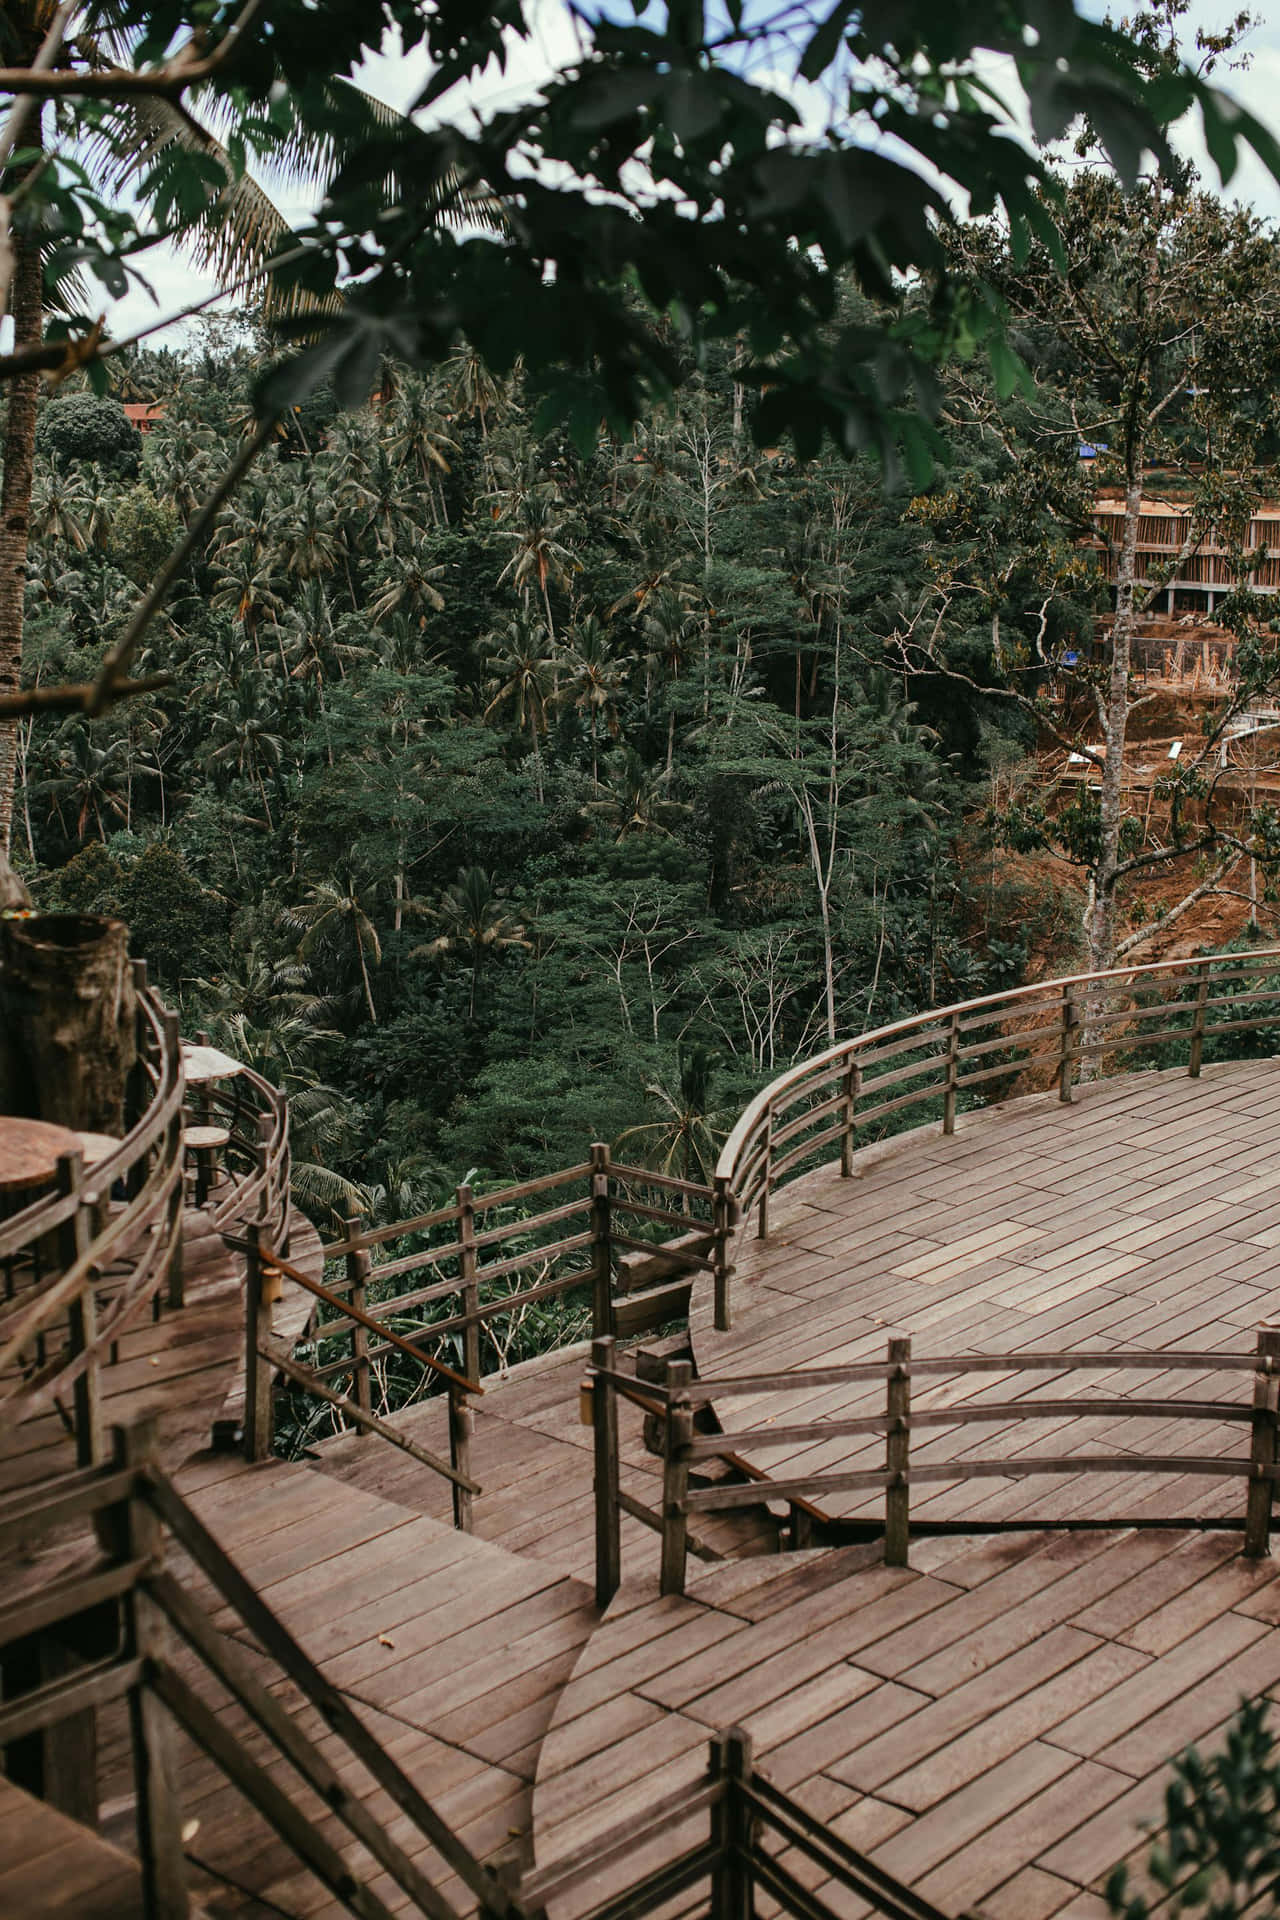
(604, 1422)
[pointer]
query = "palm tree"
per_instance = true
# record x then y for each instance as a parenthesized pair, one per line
(595, 679)
(668, 628)
(89, 778)
(306, 535)
(328, 917)
(634, 800)
(59, 503)
(472, 921)
(245, 588)
(383, 498)
(540, 559)
(420, 439)
(242, 737)
(685, 1134)
(522, 667)
(180, 460)
(409, 587)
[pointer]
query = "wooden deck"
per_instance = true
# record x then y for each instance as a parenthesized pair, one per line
(453, 1652)
(532, 1458)
(989, 1725)
(50, 1865)
(185, 1365)
(990, 1722)
(1145, 1216)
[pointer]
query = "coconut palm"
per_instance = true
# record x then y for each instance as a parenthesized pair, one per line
(60, 506)
(593, 681)
(633, 798)
(384, 500)
(521, 666)
(419, 434)
(306, 535)
(331, 917)
(669, 629)
(407, 587)
(541, 558)
(89, 779)
(686, 1132)
(245, 588)
(474, 922)
(242, 735)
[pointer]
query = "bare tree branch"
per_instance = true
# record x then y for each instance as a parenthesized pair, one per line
(121, 82)
(73, 698)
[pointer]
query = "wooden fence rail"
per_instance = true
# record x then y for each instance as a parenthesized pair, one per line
(676, 1397)
(78, 1271)
(829, 1105)
(135, 1511)
(625, 1240)
(82, 1264)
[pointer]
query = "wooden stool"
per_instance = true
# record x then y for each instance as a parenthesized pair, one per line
(96, 1147)
(200, 1144)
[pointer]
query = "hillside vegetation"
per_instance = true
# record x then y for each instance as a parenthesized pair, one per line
(506, 796)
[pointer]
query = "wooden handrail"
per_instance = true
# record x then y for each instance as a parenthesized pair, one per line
(750, 1168)
(367, 1321)
(149, 1225)
(896, 1420)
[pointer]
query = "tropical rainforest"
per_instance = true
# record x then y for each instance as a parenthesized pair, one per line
(506, 795)
(551, 660)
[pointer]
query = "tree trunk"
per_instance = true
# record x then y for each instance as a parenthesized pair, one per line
(1101, 911)
(27, 302)
(67, 1036)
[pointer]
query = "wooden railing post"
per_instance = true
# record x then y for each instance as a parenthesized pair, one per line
(953, 1073)
(602, 1314)
(470, 1286)
(1262, 1451)
(852, 1088)
(1197, 1020)
(259, 1410)
(1067, 1064)
(731, 1819)
(677, 1433)
(897, 1455)
(73, 1239)
(135, 1086)
(722, 1225)
(175, 1289)
(159, 1817)
(762, 1216)
(461, 1426)
(358, 1266)
(604, 1424)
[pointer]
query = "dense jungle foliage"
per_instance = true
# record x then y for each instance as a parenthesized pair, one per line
(508, 797)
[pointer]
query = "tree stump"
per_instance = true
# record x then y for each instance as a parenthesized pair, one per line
(68, 1033)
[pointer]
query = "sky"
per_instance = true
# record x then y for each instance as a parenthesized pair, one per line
(554, 42)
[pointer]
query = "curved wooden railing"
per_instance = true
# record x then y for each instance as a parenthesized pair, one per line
(106, 1267)
(256, 1116)
(79, 1269)
(889, 1428)
(932, 1060)
(460, 1280)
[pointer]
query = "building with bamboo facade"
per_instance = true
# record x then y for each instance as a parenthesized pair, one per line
(1202, 577)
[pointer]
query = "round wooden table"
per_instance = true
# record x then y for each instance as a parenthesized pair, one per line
(29, 1154)
(30, 1151)
(96, 1146)
(201, 1064)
